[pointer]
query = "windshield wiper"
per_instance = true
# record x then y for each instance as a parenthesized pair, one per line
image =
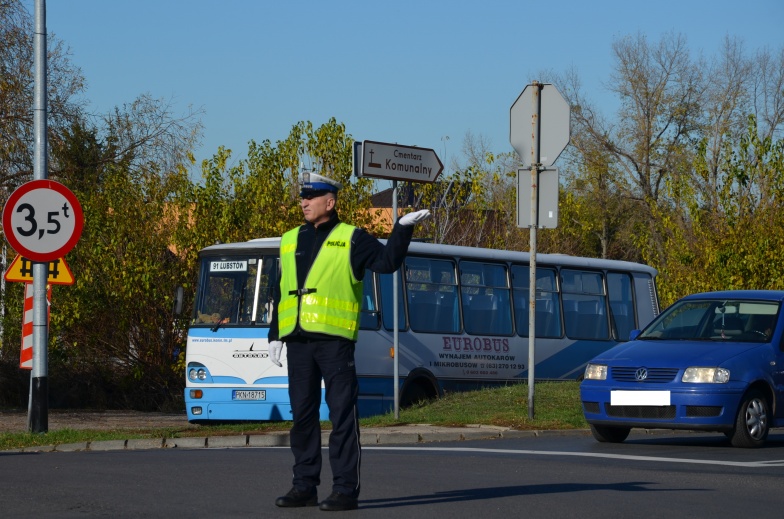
(217, 325)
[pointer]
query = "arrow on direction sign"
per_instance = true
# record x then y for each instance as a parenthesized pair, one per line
(21, 269)
(396, 162)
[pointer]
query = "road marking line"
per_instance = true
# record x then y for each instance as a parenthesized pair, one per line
(752, 464)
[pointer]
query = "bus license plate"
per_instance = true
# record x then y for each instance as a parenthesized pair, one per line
(241, 394)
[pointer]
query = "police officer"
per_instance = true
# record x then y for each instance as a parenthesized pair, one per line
(316, 314)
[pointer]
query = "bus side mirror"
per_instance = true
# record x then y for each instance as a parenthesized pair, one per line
(179, 293)
(634, 334)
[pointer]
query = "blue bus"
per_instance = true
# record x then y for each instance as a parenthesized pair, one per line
(462, 325)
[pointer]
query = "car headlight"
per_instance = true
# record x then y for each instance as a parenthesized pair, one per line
(706, 375)
(595, 372)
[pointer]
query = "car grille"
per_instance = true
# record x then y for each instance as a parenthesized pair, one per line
(653, 412)
(654, 375)
(703, 411)
(591, 407)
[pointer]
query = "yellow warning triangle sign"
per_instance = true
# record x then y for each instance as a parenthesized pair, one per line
(21, 269)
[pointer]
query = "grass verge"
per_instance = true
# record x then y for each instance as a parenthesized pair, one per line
(557, 406)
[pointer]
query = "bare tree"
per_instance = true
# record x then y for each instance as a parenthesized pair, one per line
(64, 83)
(148, 134)
(768, 91)
(660, 89)
(649, 140)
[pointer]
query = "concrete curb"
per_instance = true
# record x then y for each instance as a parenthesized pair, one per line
(399, 435)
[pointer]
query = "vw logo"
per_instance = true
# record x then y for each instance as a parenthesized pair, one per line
(641, 374)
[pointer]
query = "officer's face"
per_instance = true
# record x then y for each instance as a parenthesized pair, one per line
(317, 209)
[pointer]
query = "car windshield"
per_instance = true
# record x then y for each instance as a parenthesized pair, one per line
(715, 320)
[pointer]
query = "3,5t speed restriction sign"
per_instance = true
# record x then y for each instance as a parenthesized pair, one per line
(42, 220)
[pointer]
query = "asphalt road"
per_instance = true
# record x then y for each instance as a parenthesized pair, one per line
(571, 475)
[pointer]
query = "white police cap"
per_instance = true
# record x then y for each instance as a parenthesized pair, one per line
(313, 183)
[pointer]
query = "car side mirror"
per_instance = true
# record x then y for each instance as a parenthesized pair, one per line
(634, 334)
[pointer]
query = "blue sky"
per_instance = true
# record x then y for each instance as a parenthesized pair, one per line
(410, 72)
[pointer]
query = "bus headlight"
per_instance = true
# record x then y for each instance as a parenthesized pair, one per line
(197, 374)
(595, 372)
(706, 375)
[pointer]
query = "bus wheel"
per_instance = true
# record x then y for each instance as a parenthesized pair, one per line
(415, 393)
(607, 434)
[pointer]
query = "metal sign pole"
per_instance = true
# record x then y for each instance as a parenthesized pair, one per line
(535, 165)
(396, 162)
(38, 413)
(395, 316)
(547, 141)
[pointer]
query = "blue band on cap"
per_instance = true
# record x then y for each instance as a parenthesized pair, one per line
(318, 186)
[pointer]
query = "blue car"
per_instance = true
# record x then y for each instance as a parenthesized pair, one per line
(710, 362)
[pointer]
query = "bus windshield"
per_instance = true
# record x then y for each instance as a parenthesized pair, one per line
(235, 290)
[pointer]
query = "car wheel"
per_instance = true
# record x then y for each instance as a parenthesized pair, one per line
(751, 423)
(607, 434)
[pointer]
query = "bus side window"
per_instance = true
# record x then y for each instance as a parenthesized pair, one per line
(432, 295)
(619, 292)
(269, 278)
(548, 309)
(369, 316)
(585, 315)
(387, 306)
(484, 290)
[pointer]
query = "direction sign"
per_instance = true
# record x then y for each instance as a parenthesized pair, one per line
(397, 162)
(553, 124)
(21, 269)
(42, 220)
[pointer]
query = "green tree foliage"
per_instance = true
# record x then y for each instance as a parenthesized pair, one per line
(259, 196)
(734, 239)
(474, 205)
(594, 210)
(452, 203)
(497, 205)
(113, 338)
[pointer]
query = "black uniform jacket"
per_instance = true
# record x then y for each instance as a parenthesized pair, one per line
(366, 253)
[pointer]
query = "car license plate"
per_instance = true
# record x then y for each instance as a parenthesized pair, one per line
(640, 398)
(243, 394)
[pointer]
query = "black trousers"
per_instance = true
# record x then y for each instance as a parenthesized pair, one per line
(308, 363)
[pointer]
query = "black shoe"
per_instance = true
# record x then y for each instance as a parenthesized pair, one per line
(296, 498)
(338, 501)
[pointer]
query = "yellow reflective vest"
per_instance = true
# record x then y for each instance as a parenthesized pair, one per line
(330, 301)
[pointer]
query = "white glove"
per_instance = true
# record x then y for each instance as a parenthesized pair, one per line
(275, 347)
(415, 217)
